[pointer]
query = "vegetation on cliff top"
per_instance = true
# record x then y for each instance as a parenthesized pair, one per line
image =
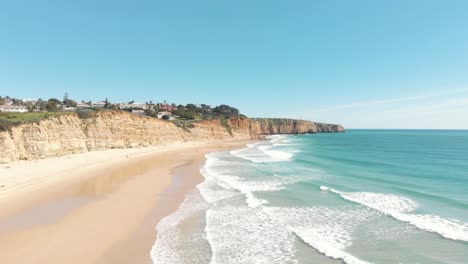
(182, 116)
(205, 112)
(190, 113)
(9, 120)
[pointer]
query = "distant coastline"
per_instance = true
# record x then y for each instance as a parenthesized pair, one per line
(71, 133)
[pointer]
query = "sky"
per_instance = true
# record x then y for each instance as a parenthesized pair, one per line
(363, 64)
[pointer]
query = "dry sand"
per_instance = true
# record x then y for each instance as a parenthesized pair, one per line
(97, 207)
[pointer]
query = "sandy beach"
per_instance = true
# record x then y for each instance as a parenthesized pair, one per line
(97, 207)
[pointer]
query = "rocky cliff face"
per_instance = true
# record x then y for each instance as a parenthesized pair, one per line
(329, 128)
(293, 126)
(68, 134)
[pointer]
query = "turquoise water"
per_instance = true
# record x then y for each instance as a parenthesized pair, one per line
(364, 196)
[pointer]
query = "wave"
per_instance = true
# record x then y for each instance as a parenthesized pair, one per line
(257, 233)
(229, 183)
(446, 200)
(326, 230)
(260, 234)
(214, 191)
(170, 238)
(243, 221)
(221, 184)
(240, 234)
(237, 228)
(265, 152)
(401, 208)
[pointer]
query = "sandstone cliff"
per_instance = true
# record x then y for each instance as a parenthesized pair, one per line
(329, 128)
(293, 126)
(68, 134)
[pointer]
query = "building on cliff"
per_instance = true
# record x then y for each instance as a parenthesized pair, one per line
(13, 108)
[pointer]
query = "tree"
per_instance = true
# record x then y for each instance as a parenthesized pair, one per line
(41, 105)
(70, 103)
(53, 104)
(55, 100)
(149, 112)
(185, 113)
(191, 107)
(205, 110)
(226, 111)
(16, 101)
(106, 104)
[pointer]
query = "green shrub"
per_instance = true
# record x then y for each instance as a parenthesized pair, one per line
(225, 124)
(84, 114)
(186, 125)
(225, 111)
(6, 125)
(185, 113)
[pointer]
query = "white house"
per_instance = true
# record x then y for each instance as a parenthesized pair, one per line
(138, 112)
(32, 101)
(13, 108)
(99, 104)
(68, 109)
(82, 105)
(132, 105)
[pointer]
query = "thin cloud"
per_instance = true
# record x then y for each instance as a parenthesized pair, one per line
(447, 105)
(388, 101)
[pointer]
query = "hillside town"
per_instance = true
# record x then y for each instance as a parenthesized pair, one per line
(15, 105)
(15, 110)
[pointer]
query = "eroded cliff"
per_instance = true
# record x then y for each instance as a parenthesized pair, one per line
(68, 134)
(293, 126)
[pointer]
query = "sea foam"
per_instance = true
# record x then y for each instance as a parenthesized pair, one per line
(171, 247)
(257, 233)
(401, 208)
(264, 152)
(327, 230)
(240, 234)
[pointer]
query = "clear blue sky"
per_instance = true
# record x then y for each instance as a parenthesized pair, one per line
(369, 64)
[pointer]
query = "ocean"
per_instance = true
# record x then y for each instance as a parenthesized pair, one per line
(364, 196)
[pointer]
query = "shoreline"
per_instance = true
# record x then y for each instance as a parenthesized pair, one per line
(104, 211)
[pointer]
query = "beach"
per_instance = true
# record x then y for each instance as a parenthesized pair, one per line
(96, 207)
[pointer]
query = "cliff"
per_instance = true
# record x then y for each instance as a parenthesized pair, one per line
(329, 128)
(68, 134)
(293, 126)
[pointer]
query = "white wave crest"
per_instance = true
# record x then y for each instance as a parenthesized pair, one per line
(239, 234)
(327, 230)
(401, 208)
(170, 240)
(265, 152)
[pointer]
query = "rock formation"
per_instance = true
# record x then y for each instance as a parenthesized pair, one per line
(68, 133)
